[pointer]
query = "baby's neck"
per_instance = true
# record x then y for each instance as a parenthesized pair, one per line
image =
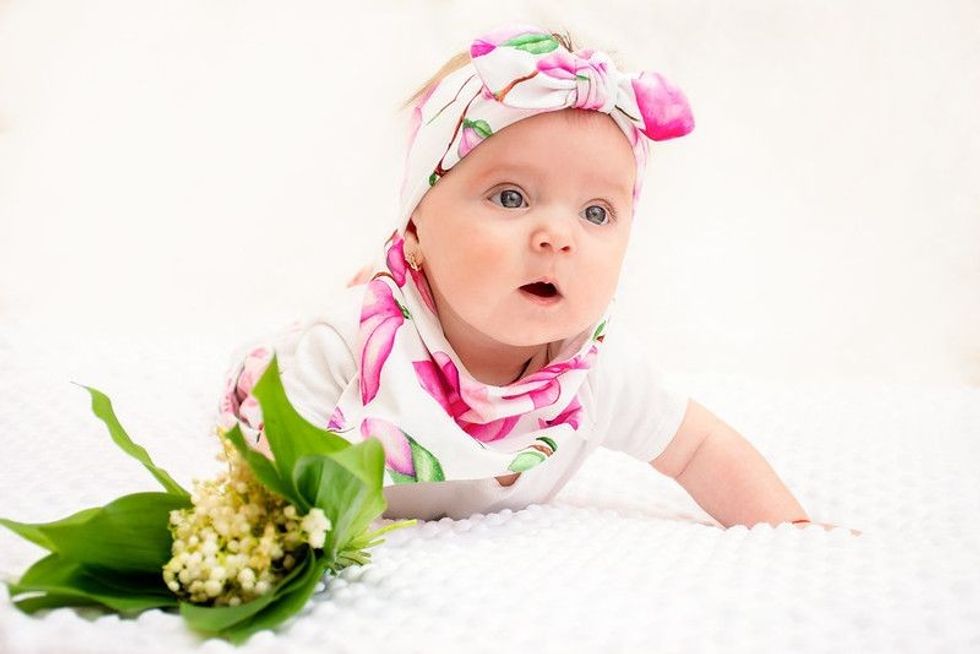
(500, 364)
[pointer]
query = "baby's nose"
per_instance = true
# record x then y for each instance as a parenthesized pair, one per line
(554, 233)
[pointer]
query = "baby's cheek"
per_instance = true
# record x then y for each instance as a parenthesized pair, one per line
(598, 285)
(481, 258)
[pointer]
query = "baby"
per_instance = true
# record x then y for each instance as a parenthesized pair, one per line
(479, 348)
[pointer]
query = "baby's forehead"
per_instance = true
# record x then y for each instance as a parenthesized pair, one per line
(517, 164)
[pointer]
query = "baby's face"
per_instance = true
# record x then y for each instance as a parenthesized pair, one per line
(548, 196)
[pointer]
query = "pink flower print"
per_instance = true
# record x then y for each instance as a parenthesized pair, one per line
(398, 265)
(474, 133)
(251, 413)
(413, 129)
(665, 111)
(416, 122)
(561, 65)
(490, 431)
(522, 37)
(480, 47)
(337, 420)
(228, 405)
(405, 459)
(422, 284)
(590, 77)
(398, 453)
(396, 259)
(381, 316)
(640, 153)
(255, 364)
(238, 389)
(238, 407)
(544, 393)
(571, 415)
(545, 385)
(441, 380)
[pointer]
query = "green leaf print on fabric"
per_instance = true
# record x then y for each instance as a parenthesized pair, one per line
(526, 461)
(598, 336)
(479, 125)
(404, 310)
(427, 466)
(552, 444)
(399, 478)
(534, 454)
(404, 459)
(433, 178)
(533, 43)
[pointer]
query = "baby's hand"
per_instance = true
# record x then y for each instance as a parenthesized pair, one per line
(826, 526)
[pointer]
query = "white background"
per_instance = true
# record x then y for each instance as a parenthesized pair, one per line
(224, 166)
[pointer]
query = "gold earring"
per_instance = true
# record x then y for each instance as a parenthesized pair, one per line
(413, 261)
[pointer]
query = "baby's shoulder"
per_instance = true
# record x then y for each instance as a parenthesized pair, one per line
(340, 311)
(328, 331)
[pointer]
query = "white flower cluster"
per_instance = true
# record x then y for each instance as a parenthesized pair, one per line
(238, 539)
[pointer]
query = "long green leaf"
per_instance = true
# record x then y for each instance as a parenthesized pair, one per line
(128, 534)
(289, 434)
(68, 583)
(35, 533)
(102, 407)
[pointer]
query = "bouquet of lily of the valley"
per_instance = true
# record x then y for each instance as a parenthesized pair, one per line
(243, 552)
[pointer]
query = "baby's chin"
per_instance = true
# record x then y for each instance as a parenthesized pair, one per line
(540, 338)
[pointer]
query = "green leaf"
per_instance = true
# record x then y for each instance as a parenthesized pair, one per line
(128, 534)
(264, 470)
(102, 407)
(399, 478)
(526, 461)
(480, 126)
(292, 599)
(347, 487)
(533, 43)
(64, 582)
(289, 434)
(550, 442)
(427, 466)
(238, 622)
(371, 538)
(35, 533)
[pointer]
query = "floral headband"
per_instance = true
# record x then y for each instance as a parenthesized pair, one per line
(518, 71)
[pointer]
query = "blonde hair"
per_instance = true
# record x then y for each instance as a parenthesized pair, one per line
(462, 58)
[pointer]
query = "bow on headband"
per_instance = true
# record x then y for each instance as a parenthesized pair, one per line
(518, 71)
(528, 68)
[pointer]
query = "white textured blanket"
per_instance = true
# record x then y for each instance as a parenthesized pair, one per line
(623, 560)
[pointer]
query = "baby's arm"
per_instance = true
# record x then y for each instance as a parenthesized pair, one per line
(724, 474)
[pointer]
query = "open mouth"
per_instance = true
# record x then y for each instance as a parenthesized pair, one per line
(541, 289)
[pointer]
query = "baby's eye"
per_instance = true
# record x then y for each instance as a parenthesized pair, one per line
(509, 198)
(595, 214)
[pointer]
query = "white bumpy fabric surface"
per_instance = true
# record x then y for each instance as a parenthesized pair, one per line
(622, 561)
